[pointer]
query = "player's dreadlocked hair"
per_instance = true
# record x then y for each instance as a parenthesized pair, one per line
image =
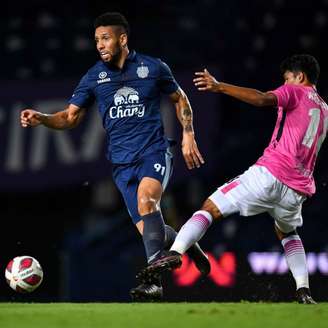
(302, 63)
(112, 19)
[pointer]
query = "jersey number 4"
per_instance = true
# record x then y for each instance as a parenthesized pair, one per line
(312, 129)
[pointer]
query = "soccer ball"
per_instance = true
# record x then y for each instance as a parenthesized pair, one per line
(24, 274)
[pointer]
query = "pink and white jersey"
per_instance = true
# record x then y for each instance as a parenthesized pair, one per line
(300, 129)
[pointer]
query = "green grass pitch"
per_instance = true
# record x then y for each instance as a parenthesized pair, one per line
(168, 315)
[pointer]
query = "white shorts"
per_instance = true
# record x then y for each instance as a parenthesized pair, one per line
(257, 191)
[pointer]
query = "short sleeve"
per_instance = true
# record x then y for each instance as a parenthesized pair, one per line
(287, 96)
(82, 96)
(166, 81)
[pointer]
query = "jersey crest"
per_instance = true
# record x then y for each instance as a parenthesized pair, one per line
(142, 71)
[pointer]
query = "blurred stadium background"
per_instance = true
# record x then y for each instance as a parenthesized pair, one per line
(58, 201)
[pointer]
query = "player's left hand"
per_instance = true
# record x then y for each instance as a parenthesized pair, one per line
(190, 151)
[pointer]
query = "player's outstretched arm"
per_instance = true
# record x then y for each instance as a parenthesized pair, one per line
(189, 146)
(65, 119)
(204, 81)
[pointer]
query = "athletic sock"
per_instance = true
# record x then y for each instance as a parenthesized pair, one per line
(192, 231)
(153, 234)
(296, 260)
(170, 235)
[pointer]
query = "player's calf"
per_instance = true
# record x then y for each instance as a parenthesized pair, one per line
(194, 252)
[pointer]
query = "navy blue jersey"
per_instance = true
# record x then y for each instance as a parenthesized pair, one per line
(129, 103)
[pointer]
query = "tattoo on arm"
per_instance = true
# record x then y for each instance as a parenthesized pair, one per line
(187, 119)
(63, 119)
(184, 111)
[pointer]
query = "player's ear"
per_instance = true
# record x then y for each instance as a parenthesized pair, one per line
(124, 40)
(300, 77)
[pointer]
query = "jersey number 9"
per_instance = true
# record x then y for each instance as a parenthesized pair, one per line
(159, 168)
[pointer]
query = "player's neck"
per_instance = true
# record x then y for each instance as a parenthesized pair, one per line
(309, 85)
(125, 54)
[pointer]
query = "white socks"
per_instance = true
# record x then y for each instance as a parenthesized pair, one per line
(296, 260)
(192, 231)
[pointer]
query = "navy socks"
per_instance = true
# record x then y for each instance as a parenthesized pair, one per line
(153, 234)
(170, 235)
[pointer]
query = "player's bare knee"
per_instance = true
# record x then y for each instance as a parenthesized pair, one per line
(210, 207)
(282, 235)
(147, 205)
(279, 233)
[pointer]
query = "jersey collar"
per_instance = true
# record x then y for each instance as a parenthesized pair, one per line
(131, 56)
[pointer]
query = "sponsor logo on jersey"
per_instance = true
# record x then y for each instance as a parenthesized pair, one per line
(127, 104)
(102, 75)
(103, 78)
(142, 71)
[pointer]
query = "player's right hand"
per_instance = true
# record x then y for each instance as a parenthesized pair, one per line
(206, 82)
(30, 118)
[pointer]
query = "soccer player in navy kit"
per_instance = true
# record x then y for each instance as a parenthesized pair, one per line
(127, 87)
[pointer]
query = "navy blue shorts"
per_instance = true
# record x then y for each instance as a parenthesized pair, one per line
(128, 176)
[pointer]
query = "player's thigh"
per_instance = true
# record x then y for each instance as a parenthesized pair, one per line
(127, 184)
(211, 208)
(248, 194)
(158, 166)
(154, 172)
(221, 201)
(288, 212)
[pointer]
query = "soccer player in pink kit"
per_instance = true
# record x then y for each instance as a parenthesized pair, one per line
(280, 180)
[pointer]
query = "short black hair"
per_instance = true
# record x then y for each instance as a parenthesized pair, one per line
(112, 19)
(302, 63)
